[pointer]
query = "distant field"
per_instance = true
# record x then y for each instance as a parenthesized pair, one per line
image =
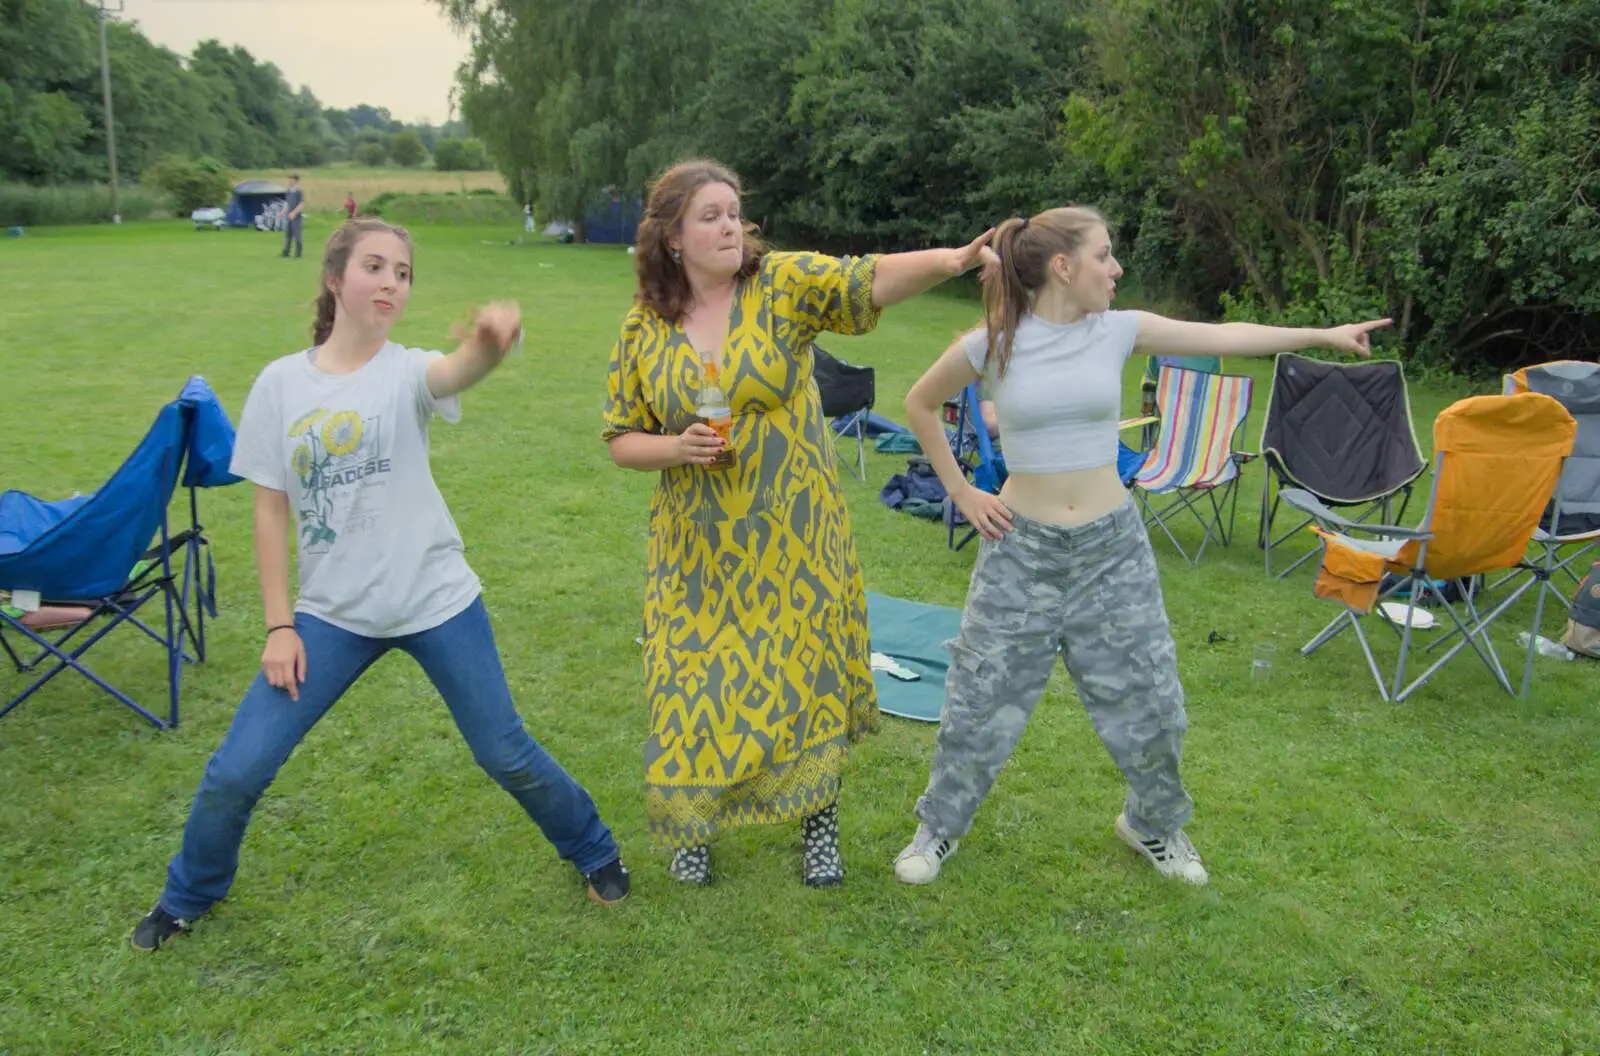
(325, 187)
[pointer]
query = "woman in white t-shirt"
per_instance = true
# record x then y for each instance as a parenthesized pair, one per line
(1065, 564)
(335, 439)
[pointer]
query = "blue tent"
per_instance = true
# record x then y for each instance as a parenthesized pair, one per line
(250, 198)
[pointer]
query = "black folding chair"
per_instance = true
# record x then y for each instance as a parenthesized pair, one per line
(848, 393)
(1343, 433)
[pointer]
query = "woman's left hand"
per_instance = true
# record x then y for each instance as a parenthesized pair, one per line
(962, 260)
(990, 261)
(1352, 338)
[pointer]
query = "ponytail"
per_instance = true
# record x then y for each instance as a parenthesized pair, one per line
(1004, 296)
(327, 306)
(1025, 248)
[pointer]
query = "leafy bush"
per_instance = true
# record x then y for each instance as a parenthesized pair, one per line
(190, 183)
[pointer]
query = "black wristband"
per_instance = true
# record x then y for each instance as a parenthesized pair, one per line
(280, 627)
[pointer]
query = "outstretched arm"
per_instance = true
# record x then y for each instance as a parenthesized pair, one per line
(1160, 336)
(902, 276)
(494, 331)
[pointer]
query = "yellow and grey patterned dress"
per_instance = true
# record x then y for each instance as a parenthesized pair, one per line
(757, 663)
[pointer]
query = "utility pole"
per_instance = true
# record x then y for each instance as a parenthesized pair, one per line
(111, 132)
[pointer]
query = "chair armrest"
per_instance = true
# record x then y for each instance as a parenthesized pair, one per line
(1309, 504)
(1134, 423)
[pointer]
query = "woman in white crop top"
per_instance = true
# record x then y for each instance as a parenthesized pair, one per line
(1065, 564)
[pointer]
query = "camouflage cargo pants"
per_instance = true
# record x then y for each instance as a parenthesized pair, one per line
(1091, 593)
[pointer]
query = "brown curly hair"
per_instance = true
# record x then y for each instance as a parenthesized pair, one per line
(336, 257)
(663, 285)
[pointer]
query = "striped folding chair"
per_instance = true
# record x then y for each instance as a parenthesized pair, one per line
(1194, 465)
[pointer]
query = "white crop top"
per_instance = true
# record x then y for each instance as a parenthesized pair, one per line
(1061, 396)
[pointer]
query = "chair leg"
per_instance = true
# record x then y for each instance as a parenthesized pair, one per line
(1405, 639)
(1269, 511)
(174, 647)
(1328, 633)
(1469, 637)
(1533, 640)
(1159, 518)
(16, 661)
(73, 660)
(1233, 508)
(1372, 661)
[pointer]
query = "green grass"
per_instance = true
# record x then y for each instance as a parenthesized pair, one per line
(1386, 879)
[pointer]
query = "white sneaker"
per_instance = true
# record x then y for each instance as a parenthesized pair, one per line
(919, 862)
(1172, 856)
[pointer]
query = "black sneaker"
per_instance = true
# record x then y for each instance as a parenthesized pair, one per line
(156, 928)
(608, 884)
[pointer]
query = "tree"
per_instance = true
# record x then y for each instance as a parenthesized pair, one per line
(372, 154)
(46, 48)
(406, 149)
(460, 155)
(929, 120)
(1435, 162)
(573, 97)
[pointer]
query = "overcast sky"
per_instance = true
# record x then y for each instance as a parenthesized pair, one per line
(400, 54)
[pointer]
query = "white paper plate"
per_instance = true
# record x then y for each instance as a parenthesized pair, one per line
(1395, 613)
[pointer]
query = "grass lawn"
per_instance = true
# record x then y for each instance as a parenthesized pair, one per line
(325, 187)
(1386, 879)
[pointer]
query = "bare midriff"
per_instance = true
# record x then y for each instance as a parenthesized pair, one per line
(1070, 498)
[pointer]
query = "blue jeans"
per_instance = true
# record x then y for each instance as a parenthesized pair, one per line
(460, 658)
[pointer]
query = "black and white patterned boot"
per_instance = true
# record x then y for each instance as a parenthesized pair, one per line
(691, 865)
(819, 833)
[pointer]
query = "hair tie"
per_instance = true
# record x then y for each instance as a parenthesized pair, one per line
(1025, 222)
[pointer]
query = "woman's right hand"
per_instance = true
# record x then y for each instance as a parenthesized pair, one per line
(699, 444)
(283, 661)
(983, 511)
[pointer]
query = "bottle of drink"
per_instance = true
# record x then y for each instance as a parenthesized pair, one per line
(1545, 647)
(713, 409)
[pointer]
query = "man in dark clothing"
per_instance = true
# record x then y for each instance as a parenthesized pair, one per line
(292, 220)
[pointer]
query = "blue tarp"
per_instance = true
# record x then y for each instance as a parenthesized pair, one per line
(871, 424)
(83, 547)
(913, 634)
(613, 220)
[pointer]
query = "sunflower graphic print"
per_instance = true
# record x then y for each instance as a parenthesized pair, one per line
(334, 451)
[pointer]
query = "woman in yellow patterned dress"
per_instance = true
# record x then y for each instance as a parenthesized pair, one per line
(757, 664)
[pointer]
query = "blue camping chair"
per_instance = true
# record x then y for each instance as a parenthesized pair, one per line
(976, 455)
(96, 551)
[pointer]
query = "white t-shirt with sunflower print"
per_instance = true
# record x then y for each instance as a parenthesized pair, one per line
(380, 555)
